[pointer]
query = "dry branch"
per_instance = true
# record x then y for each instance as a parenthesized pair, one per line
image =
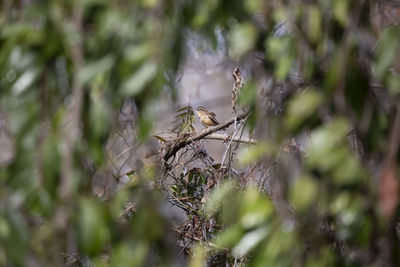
(174, 146)
(216, 136)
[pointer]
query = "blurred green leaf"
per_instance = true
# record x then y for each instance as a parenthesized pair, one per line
(242, 39)
(340, 10)
(91, 70)
(303, 193)
(249, 154)
(394, 84)
(51, 164)
(329, 152)
(253, 6)
(325, 257)
(255, 208)
(25, 81)
(218, 197)
(249, 241)
(230, 236)
(281, 51)
(314, 23)
(127, 254)
(302, 106)
(199, 257)
(16, 241)
(93, 229)
(247, 94)
(136, 83)
(387, 47)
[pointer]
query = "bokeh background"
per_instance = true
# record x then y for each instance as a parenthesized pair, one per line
(94, 93)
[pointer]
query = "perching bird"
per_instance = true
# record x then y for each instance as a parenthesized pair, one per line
(206, 118)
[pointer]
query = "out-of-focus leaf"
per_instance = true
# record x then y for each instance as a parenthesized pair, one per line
(230, 236)
(329, 152)
(127, 254)
(199, 257)
(17, 238)
(340, 202)
(249, 241)
(327, 138)
(247, 94)
(91, 2)
(203, 10)
(93, 229)
(99, 124)
(302, 106)
(242, 39)
(145, 126)
(249, 154)
(24, 81)
(394, 84)
(386, 50)
(281, 51)
(253, 5)
(136, 83)
(91, 70)
(340, 10)
(5, 230)
(218, 197)
(325, 257)
(280, 249)
(139, 53)
(314, 23)
(20, 59)
(150, 3)
(51, 165)
(255, 208)
(303, 193)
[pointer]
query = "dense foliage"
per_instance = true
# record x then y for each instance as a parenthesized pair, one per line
(315, 184)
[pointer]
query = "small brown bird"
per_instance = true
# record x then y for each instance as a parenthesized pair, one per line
(206, 118)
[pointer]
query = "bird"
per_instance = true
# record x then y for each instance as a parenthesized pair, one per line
(206, 118)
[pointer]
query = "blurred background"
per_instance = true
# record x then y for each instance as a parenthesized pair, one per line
(95, 95)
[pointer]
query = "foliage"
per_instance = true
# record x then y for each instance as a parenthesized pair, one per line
(319, 187)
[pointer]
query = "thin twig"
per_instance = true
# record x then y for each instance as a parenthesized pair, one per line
(216, 136)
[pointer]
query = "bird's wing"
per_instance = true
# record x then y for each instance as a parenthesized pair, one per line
(214, 119)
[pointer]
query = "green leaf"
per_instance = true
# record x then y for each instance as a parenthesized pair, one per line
(329, 152)
(251, 154)
(340, 10)
(218, 197)
(199, 256)
(314, 23)
(136, 83)
(249, 241)
(303, 193)
(25, 81)
(93, 229)
(302, 106)
(388, 46)
(128, 254)
(255, 208)
(242, 39)
(92, 69)
(229, 236)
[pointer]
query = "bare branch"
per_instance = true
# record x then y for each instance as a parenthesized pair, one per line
(174, 146)
(216, 136)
